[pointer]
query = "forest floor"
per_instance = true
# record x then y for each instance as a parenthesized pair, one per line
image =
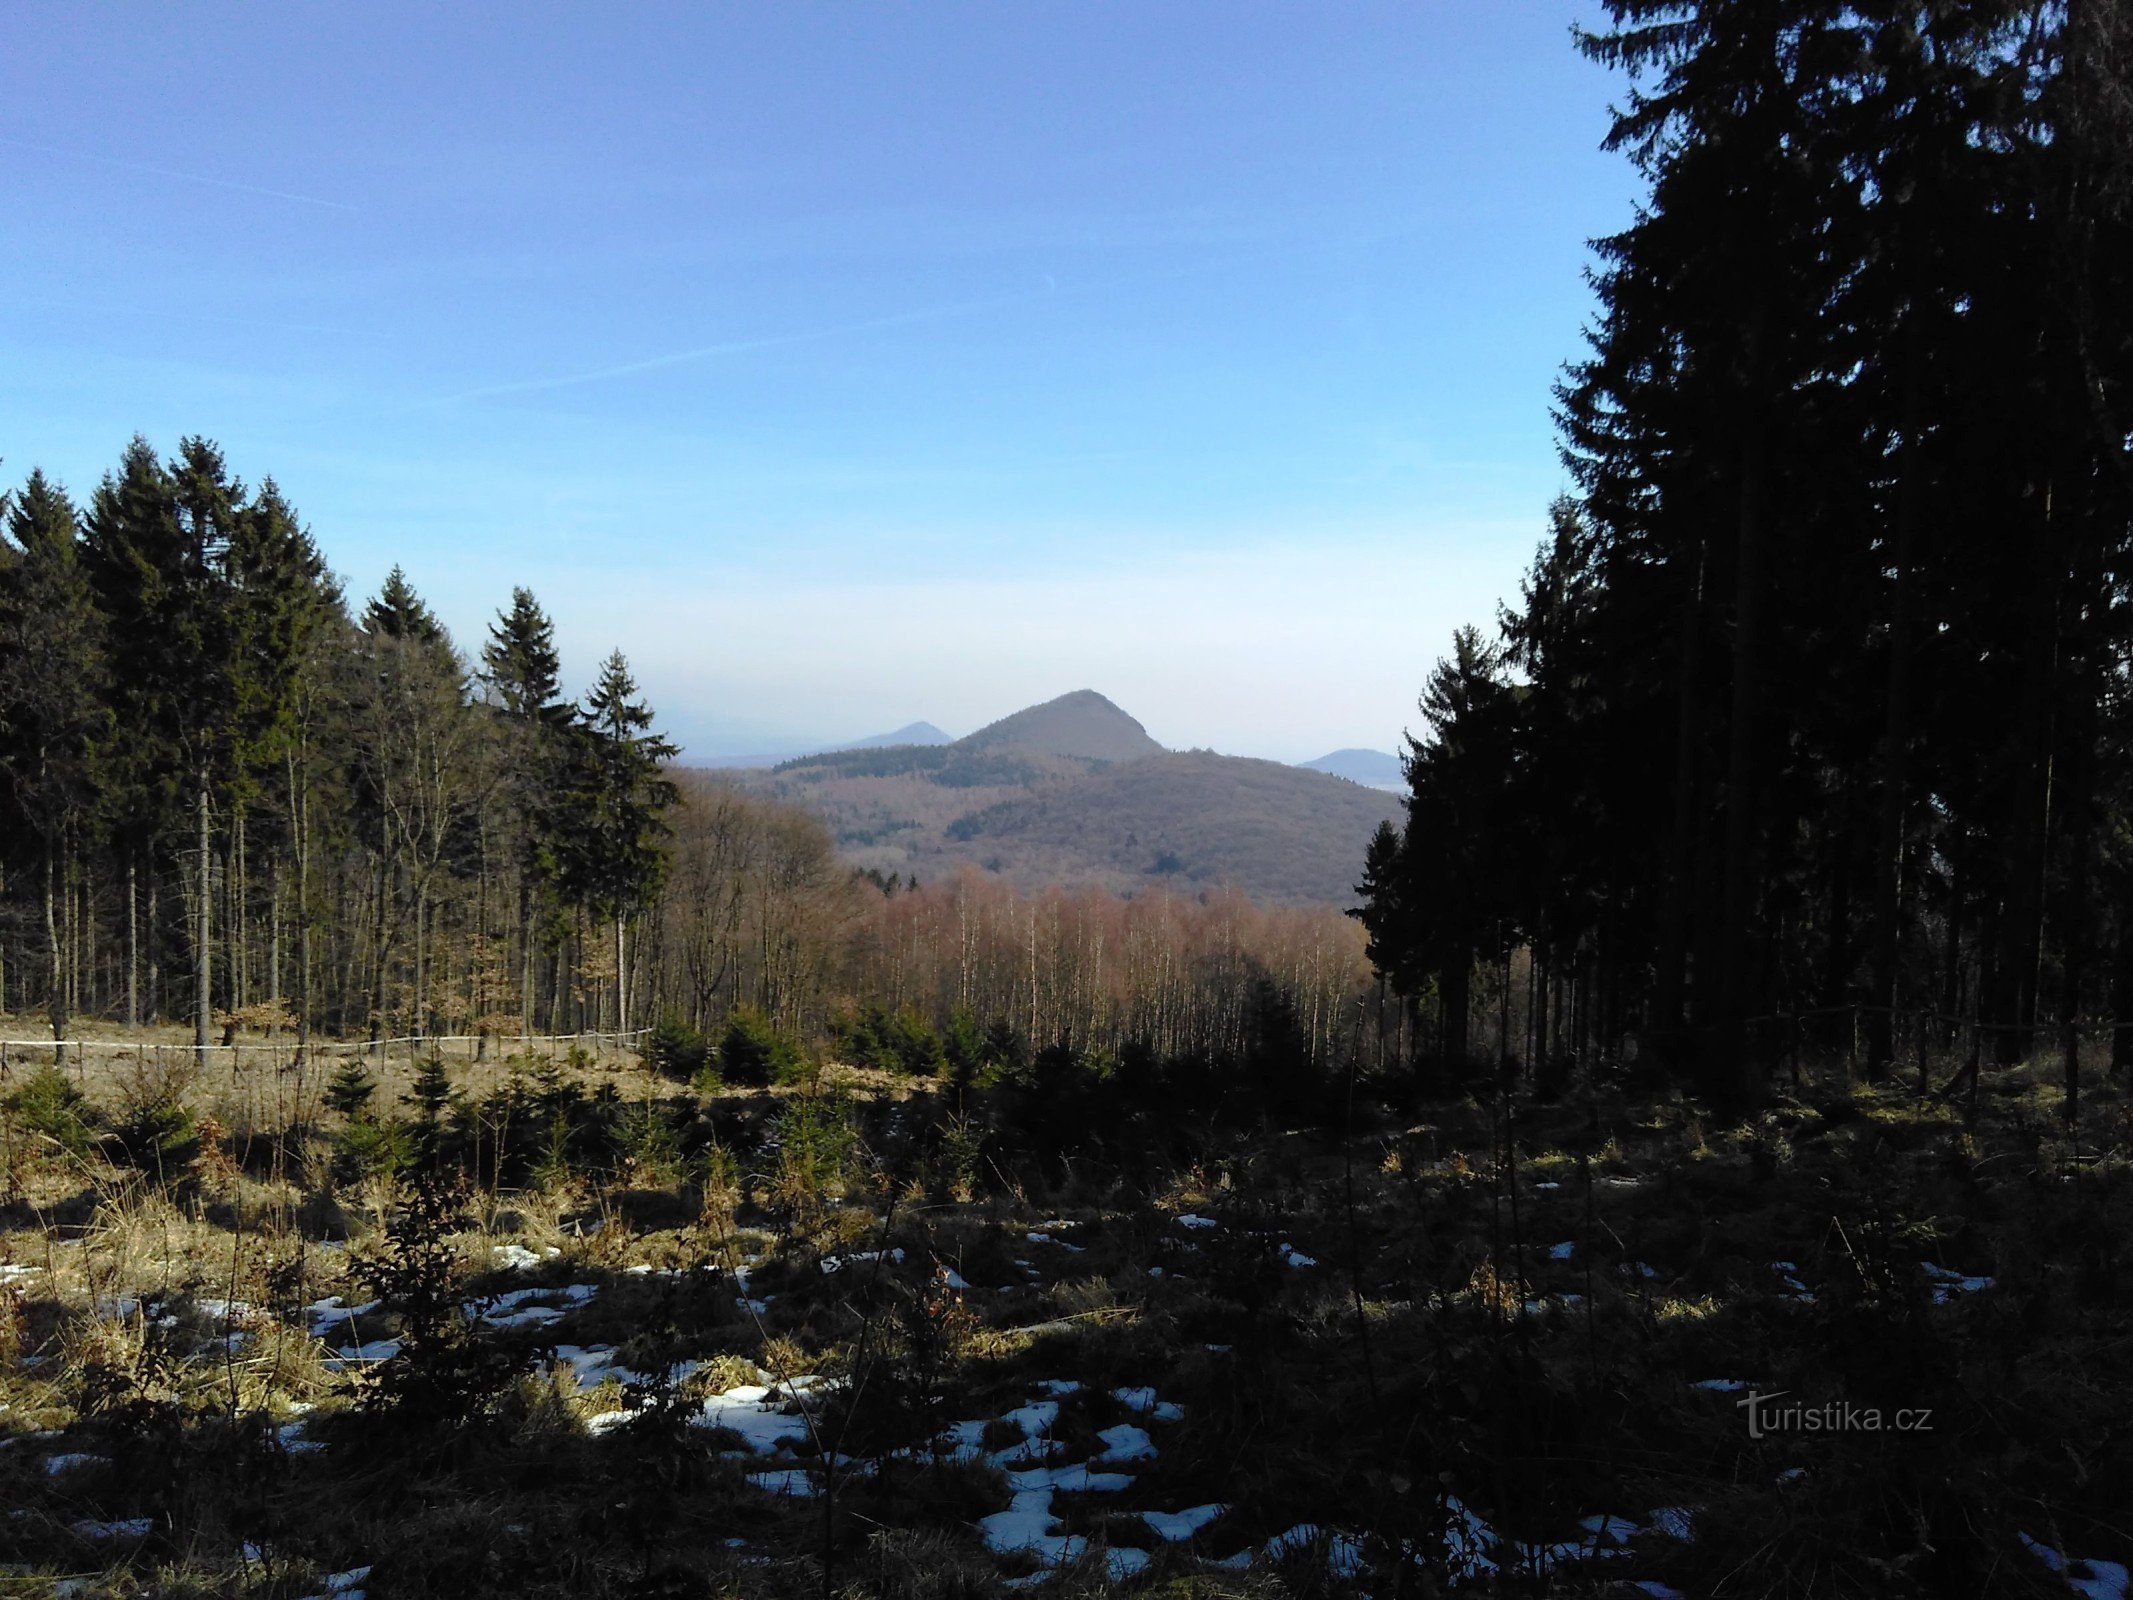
(1575, 1349)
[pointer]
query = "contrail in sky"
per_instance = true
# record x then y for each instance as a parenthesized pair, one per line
(182, 177)
(734, 347)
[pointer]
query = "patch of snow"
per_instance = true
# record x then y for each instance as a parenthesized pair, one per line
(1122, 1561)
(1947, 1284)
(1295, 1257)
(363, 1354)
(832, 1264)
(1125, 1443)
(1144, 1401)
(2094, 1580)
(1025, 1528)
(1038, 1417)
(1077, 1479)
(1721, 1385)
(1191, 1221)
(750, 1411)
(125, 1528)
(1028, 1452)
(1563, 1251)
(73, 1462)
(1344, 1552)
(1173, 1527)
(527, 1317)
(1469, 1542)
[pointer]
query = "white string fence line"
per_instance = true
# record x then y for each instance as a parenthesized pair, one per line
(290, 1042)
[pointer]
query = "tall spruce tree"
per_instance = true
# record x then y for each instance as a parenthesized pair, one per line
(53, 710)
(618, 803)
(524, 676)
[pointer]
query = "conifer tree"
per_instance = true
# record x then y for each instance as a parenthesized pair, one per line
(618, 799)
(52, 706)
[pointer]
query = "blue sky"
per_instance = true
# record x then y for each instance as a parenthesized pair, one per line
(844, 364)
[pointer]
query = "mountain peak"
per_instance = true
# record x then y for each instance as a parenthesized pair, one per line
(1083, 725)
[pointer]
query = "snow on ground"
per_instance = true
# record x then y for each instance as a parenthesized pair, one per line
(2095, 1580)
(1144, 1401)
(1038, 1417)
(356, 1355)
(832, 1264)
(125, 1528)
(757, 1414)
(517, 1258)
(1344, 1552)
(343, 1585)
(1191, 1221)
(1173, 1527)
(1947, 1284)
(1124, 1442)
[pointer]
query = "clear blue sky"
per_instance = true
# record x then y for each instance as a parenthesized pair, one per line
(844, 364)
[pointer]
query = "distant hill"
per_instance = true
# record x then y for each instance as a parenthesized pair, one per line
(912, 733)
(1083, 726)
(1376, 769)
(1075, 792)
(909, 733)
(1189, 818)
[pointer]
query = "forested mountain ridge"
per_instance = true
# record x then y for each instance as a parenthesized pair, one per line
(1075, 792)
(1081, 726)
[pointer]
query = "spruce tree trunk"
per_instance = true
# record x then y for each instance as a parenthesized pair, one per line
(1681, 852)
(56, 996)
(1730, 1070)
(203, 963)
(1895, 737)
(1458, 980)
(133, 940)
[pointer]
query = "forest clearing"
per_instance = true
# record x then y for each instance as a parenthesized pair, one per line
(617, 1336)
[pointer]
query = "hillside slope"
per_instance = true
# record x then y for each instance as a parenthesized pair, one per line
(1083, 726)
(1074, 792)
(1190, 818)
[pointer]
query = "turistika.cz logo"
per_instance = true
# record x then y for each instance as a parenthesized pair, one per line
(1766, 1416)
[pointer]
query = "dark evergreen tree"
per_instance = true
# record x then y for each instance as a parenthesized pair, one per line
(53, 710)
(619, 796)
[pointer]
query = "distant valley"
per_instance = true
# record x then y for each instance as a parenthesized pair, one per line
(1075, 792)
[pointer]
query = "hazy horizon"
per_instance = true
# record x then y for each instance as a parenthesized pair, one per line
(845, 368)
